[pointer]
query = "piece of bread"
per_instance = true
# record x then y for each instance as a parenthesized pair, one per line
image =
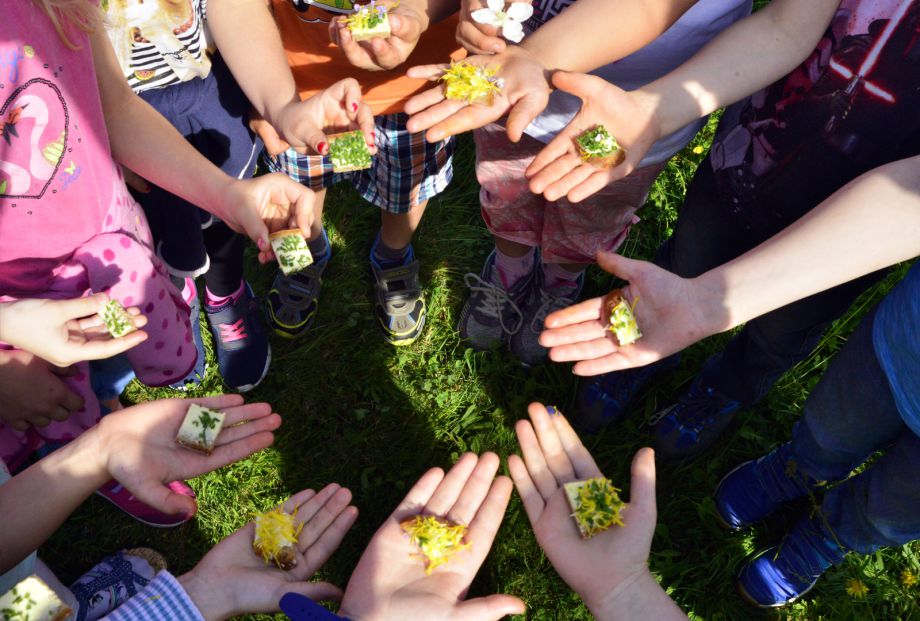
(117, 320)
(200, 428)
(437, 539)
(349, 151)
(371, 21)
(33, 600)
(595, 505)
(599, 148)
(622, 320)
(291, 250)
(275, 538)
(471, 83)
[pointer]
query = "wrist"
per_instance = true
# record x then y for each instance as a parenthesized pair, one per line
(84, 459)
(628, 595)
(713, 307)
(211, 605)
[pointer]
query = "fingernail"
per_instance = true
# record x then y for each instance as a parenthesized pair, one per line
(552, 410)
(321, 148)
(261, 244)
(354, 107)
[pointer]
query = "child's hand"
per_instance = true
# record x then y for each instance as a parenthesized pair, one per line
(32, 391)
(672, 313)
(137, 446)
(262, 205)
(64, 332)
(482, 38)
(558, 170)
(337, 108)
(274, 144)
(232, 580)
(608, 562)
(390, 581)
(406, 26)
(523, 97)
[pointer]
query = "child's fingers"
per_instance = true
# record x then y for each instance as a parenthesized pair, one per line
(523, 113)
(556, 148)
(616, 361)
(555, 171)
(294, 502)
(485, 525)
(236, 433)
(450, 488)
(330, 539)
(582, 461)
(576, 176)
(570, 335)
(642, 486)
(595, 183)
(100, 349)
(575, 314)
(427, 72)
(539, 471)
(479, 38)
(586, 350)
(323, 518)
(463, 120)
(556, 458)
(386, 55)
(419, 495)
(227, 454)
(431, 116)
(475, 490)
(78, 308)
(424, 100)
(527, 490)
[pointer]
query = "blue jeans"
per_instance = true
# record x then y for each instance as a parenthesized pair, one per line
(849, 416)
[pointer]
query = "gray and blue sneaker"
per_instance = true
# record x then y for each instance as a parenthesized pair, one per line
(781, 574)
(400, 305)
(540, 302)
(492, 314)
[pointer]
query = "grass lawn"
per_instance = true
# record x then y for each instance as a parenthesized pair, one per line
(372, 417)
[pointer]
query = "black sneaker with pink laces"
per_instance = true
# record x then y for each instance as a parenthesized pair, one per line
(240, 342)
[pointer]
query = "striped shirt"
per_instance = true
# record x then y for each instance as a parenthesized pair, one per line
(163, 599)
(158, 42)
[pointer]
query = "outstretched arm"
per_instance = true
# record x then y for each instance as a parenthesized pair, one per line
(869, 224)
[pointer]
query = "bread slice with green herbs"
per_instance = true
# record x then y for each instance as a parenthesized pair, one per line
(349, 151)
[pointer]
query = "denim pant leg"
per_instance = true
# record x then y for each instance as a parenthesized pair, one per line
(849, 415)
(881, 506)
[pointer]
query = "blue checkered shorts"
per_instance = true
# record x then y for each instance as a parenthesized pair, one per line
(406, 171)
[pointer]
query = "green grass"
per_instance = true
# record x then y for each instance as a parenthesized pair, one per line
(372, 417)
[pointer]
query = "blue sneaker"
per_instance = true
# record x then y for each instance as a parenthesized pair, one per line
(293, 300)
(689, 427)
(196, 376)
(243, 352)
(602, 400)
(783, 573)
(400, 304)
(757, 488)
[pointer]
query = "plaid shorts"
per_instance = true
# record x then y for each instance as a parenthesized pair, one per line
(406, 171)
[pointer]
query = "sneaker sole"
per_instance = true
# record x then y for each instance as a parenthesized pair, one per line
(720, 520)
(151, 524)
(248, 387)
(400, 341)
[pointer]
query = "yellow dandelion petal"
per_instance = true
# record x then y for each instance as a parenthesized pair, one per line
(908, 578)
(856, 588)
(697, 150)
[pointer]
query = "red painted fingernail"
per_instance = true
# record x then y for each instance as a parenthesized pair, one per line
(261, 244)
(321, 148)
(354, 107)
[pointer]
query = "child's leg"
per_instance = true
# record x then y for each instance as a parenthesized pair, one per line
(406, 172)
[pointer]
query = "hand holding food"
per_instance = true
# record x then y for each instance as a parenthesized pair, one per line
(393, 579)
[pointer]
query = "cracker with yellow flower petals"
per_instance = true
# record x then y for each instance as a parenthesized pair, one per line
(595, 505)
(275, 537)
(437, 539)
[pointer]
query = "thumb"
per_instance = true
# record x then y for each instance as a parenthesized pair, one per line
(523, 112)
(491, 607)
(317, 591)
(78, 308)
(642, 485)
(578, 84)
(161, 498)
(618, 265)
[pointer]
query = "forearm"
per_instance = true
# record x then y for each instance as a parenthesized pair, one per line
(871, 223)
(637, 600)
(746, 57)
(249, 42)
(35, 502)
(593, 33)
(432, 11)
(144, 141)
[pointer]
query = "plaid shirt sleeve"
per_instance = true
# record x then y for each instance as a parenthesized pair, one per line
(163, 599)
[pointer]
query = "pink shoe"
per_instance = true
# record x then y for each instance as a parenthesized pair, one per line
(115, 493)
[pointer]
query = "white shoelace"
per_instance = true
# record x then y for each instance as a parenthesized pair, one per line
(495, 300)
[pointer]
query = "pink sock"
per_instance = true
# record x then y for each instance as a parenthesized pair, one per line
(189, 290)
(213, 300)
(554, 275)
(512, 269)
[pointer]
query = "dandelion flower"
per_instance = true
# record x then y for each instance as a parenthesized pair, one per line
(908, 578)
(856, 588)
(511, 22)
(697, 149)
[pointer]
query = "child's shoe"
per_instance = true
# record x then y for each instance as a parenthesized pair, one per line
(783, 573)
(541, 300)
(293, 300)
(400, 306)
(196, 375)
(115, 580)
(243, 352)
(492, 314)
(689, 427)
(116, 494)
(602, 400)
(757, 488)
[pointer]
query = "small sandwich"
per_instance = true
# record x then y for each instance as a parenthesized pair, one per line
(437, 539)
(595, 505)
(118, 321)
(597, 147)
(473, 84)
(349, 151)
(200, 429)
(33, 600)
(291, 250)
(370, 21)
(275, 539)
(622, 320)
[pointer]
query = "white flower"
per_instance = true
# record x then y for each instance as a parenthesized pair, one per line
(510, 21)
